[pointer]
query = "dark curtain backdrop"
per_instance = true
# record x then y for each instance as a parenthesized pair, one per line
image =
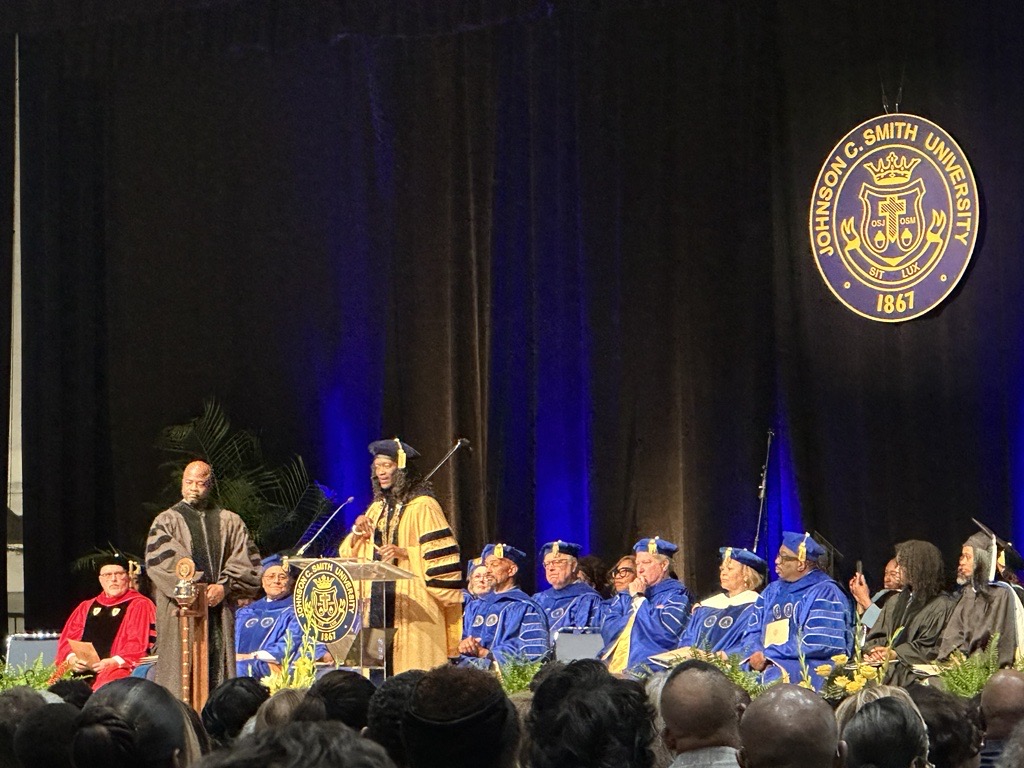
(573, 232)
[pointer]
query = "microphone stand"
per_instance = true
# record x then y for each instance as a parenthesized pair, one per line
(762, 488)
(345, 503)
(460, 443)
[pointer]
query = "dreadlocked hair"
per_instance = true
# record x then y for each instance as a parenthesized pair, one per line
(923, 569)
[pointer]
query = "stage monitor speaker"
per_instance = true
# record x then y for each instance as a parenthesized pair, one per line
(569, 647)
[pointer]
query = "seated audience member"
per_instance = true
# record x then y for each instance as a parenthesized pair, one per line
(621, 576)
(266, 628)
(789, 727)
(230, 706)
(459, 717)
(327, 744)
(119, 623)
(73, 691)
(803, 614)
(570, 604)
(342, 695)
(851, 705)
(43, 738)
(606, 725)
(701, 709)
(649, 616)
(886, 733)
(15, 704)
(278, 709)
(505, 624)
(921, 609)
(869, 606)
(1013, 750)
(1002, 709)
(719, 623)
(136, 723)
(387, 708)
(954, 738)
(985, 607)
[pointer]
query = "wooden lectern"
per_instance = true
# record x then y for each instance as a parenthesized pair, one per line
(194, 635)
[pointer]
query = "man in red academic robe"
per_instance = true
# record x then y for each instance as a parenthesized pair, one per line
(119, 623)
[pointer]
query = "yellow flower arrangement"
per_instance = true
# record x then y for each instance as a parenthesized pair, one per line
(855, 685)
(842, 682)
(840, 659)
(823, 670)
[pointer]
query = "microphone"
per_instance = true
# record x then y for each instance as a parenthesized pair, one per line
(326, 522)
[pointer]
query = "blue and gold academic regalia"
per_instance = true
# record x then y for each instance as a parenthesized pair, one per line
(508, 624)
(811, 614)
(654, 626)
(572, 607)
(266, 625)
(720, 624)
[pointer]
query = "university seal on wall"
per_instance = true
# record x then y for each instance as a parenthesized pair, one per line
(894, 217)
(325, 601)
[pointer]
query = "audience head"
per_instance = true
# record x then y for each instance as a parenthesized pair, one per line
(600, 725)
(230, 705)
(43, 738)
(886, 733)
(1002, 703)
(15, 703)
(851, 705)
(326, 744)
(460, 717)
(788, 726)
(73, 691)
(954, 739)
(137, 723)
(387, 708)
(278, 709)
(1012, 755)
(339, 695)
(921, 568)
(701, 708)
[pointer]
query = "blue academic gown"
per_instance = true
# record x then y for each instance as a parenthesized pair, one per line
(571, 607)
(265, 626)
(817, 619)
(660, 620)
(720, 624)
(508, 624)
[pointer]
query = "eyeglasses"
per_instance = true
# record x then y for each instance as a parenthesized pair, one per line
(618, 572)
(559, 562)
(114, 575)
(787, 558)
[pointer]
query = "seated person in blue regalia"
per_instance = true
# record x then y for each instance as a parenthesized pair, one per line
(571, 605)
(719, 623)
(504, 624)
(805, 611)
(649, 616)
(263, 628)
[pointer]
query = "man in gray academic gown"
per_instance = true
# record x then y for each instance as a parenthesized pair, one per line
(219, 543)
(985, 607)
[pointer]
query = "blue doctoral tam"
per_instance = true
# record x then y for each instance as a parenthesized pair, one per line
(744, 557)
(389, 447)
(504, 551)
(656, 546)
(562, 547)
(794, 541)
